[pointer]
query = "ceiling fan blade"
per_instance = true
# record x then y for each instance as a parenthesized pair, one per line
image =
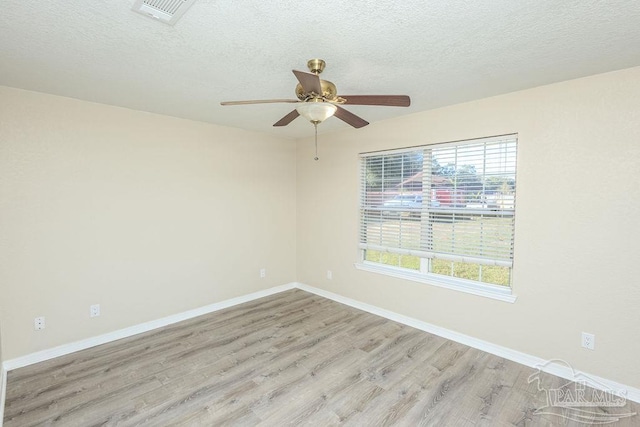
(387, 100)
(310, 82)
(260, 101)
(350, 118)
(287, 119)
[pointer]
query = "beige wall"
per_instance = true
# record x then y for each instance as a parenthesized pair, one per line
(144, 214)
(577, 230)
(150, 216)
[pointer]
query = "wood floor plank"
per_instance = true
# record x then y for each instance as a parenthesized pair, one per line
(292, 358)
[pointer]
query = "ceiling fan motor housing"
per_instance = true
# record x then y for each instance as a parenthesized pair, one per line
(329, 91)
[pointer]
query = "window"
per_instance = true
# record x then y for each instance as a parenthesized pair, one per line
(442, 213)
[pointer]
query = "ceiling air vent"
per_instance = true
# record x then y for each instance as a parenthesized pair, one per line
(167, 11)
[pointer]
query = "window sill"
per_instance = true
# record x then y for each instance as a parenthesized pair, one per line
(488, 291)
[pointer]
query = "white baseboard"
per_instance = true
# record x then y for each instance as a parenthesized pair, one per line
(62, 350)
(534, 362)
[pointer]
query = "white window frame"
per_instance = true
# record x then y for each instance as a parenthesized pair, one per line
(498, 292)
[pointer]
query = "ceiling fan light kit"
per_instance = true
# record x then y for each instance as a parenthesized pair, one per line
(316, 112)
(318, 100)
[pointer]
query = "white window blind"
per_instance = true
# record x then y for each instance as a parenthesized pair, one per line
(444, 209)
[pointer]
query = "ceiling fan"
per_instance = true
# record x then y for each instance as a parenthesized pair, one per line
(318, 99)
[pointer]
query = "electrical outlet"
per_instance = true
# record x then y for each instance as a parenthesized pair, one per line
(94, 310)
(329, 275)
(588, 341)
(39, 323)
(263, 272)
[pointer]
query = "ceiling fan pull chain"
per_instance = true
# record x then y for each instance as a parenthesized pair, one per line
(315, 125)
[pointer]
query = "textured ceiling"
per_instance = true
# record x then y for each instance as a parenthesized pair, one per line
(438, 52)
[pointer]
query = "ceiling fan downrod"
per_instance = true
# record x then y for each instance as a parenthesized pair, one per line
(316, 66)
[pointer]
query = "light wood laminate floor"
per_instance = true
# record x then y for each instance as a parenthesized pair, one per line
(289, 359)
